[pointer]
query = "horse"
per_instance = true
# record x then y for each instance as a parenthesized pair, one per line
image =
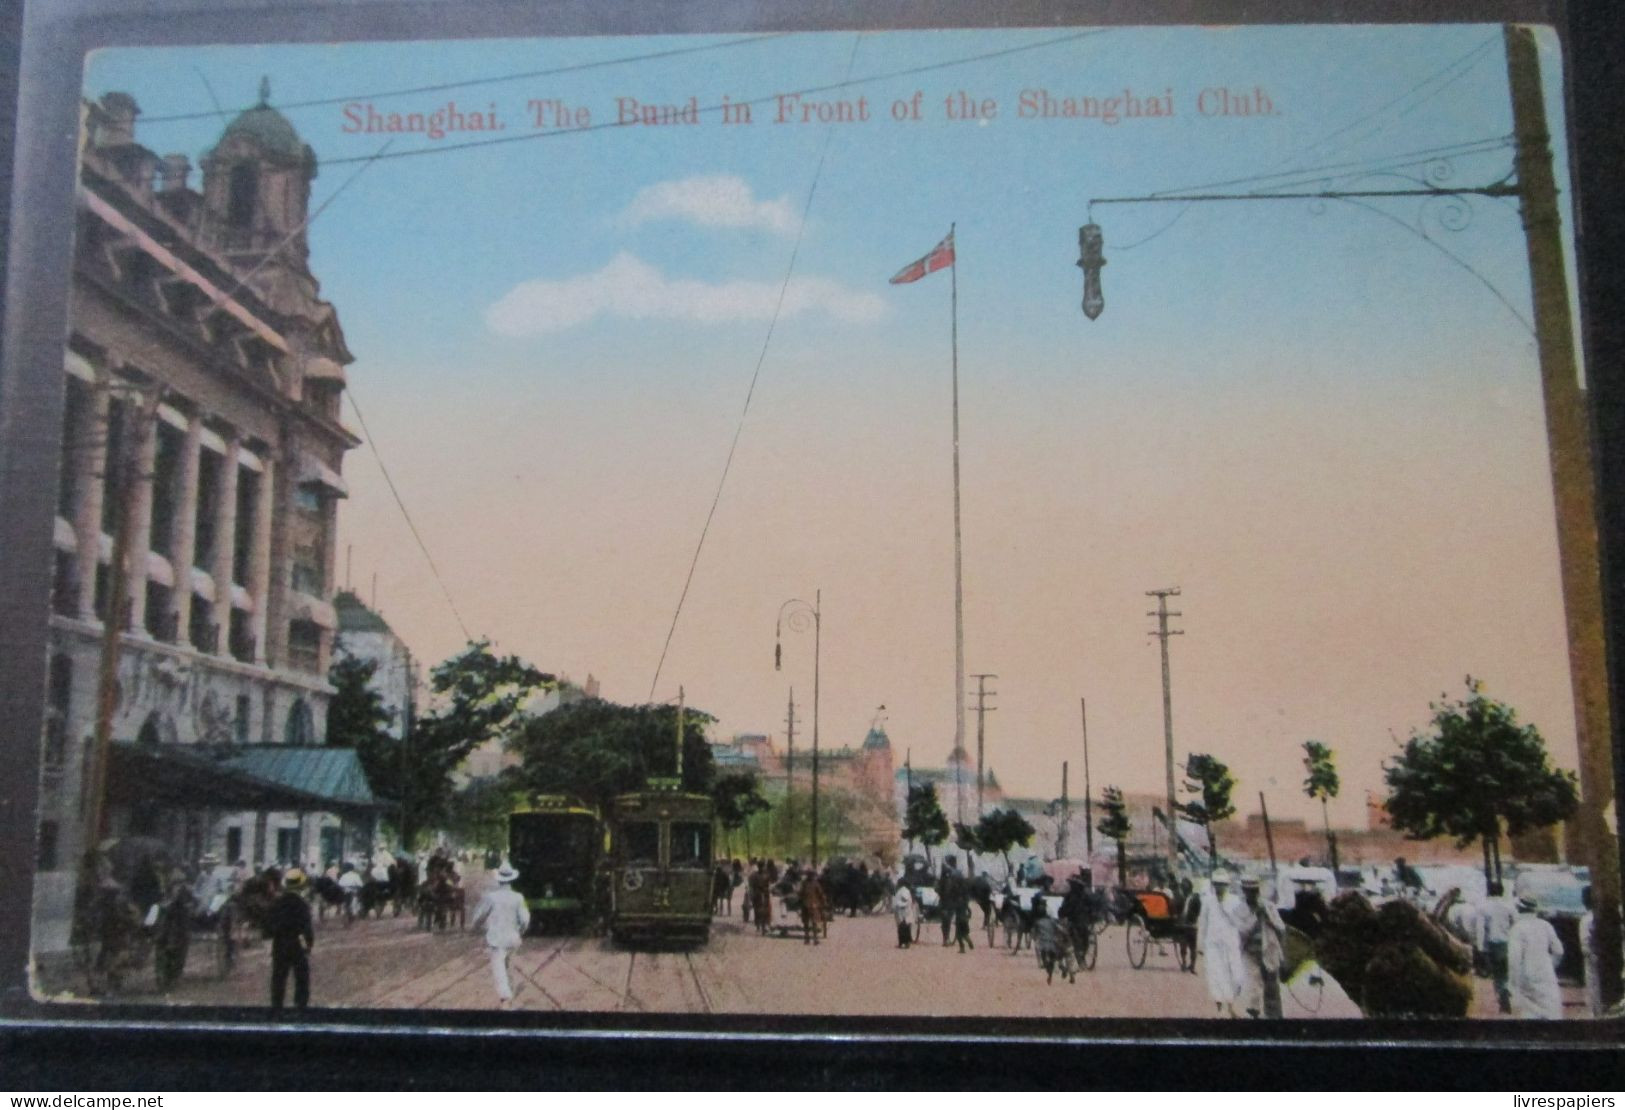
(403, 883)
(329, 894)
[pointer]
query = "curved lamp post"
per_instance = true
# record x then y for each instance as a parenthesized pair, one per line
(799, 615)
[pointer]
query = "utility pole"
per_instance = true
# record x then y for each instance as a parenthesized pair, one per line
(1088, 804)
(1066, 817)
(789, 769)
(982, 710)
(680, 737)
(1162, 633)
(1569, 447)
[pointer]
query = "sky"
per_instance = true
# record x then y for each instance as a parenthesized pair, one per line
(1322, 427)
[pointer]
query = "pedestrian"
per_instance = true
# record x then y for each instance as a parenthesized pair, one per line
(1219, 942)
(1261, 941)
(293, 935)
(1052, 943)
(905, 910)
(506, 917)
(761, 898)
(962, 918)
(948, 884)
(1495, 920)
(1533, 953)
(1590, 955)
(814, 908)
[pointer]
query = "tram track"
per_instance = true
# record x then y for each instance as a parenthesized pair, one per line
(694, 973)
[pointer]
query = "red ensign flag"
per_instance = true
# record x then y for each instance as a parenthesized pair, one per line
(940, 258)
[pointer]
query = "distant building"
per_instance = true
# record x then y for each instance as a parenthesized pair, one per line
(364, 634)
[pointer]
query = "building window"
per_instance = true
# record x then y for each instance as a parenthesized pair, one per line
(240, 722)
(74, 403)
(150, 732)
(287, 845)
(58, 703)
(234, 844)
(301, 727)
(166, 475)
(242, 552)
(47, 846)
(203, 632)
(242, 637)
(65, 586)
(244, 192)
(159, 620)
(208, 497)
(305, 646)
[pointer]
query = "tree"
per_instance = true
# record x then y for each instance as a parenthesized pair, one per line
(595, 750)
(477, 696)
(1476, 772)
(1212, 782)
(923, 819)
(1003, 829)
(738, 797)
(1322, 783)
(478, 813)
(356, 718)
(1114, 823)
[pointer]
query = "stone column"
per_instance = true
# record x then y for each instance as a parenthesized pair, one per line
(225, 544)
(257, 851)
(183, 532)
(138, 486)
(90, 460)
(259, 563)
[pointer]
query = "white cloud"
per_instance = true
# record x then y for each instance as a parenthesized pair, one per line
(628, 288)
(710, 200)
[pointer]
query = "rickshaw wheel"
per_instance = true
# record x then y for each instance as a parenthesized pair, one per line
(1138, 939)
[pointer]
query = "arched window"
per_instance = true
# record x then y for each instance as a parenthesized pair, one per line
(301, 727)
(150, 730)
(242, 195)
(58, 701)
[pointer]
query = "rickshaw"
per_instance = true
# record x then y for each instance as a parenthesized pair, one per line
(1155, 919)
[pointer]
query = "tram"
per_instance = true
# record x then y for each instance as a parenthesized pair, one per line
(660, 866)
(556, 845)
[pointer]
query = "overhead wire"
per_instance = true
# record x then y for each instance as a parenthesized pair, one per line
(445, 86)
(750, 392)
(734, 105)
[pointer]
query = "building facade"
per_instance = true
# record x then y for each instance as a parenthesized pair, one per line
(203, 375)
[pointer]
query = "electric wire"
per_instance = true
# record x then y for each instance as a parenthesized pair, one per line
(378, 457)
(849, 83)
(444, 86)
(761, 358)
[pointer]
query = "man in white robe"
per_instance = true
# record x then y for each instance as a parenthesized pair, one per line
(1218, 939)
(1533, 952)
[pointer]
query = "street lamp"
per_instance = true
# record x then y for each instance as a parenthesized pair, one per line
(1091, 257)
(800, 615)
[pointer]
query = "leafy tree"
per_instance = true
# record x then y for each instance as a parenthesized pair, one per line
(1003, 829)
(737, 796)
(1476, 771)
(477, 814)
(1322, 783)
(923, 819)
(1114, 823)
(356, 718)
(477, 697)
(595, 749)
(1212, 783)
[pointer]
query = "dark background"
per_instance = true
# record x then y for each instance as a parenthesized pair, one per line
(225, 1051)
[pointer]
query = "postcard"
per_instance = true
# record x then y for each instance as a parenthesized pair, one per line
(1183, 430)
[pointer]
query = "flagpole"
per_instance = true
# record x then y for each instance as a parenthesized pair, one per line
(959, 561)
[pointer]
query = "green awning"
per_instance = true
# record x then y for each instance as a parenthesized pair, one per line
(262, 777)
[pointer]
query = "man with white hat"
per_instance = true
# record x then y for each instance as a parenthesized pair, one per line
(1218, 939)
(1533, 953)
(1261, 937)
(506, 918)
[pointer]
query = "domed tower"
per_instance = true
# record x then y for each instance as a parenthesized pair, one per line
(256, 197)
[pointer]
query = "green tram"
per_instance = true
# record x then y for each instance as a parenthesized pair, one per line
(556, 845)
(660, 866)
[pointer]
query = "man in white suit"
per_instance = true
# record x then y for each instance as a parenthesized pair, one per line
(506, 918)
